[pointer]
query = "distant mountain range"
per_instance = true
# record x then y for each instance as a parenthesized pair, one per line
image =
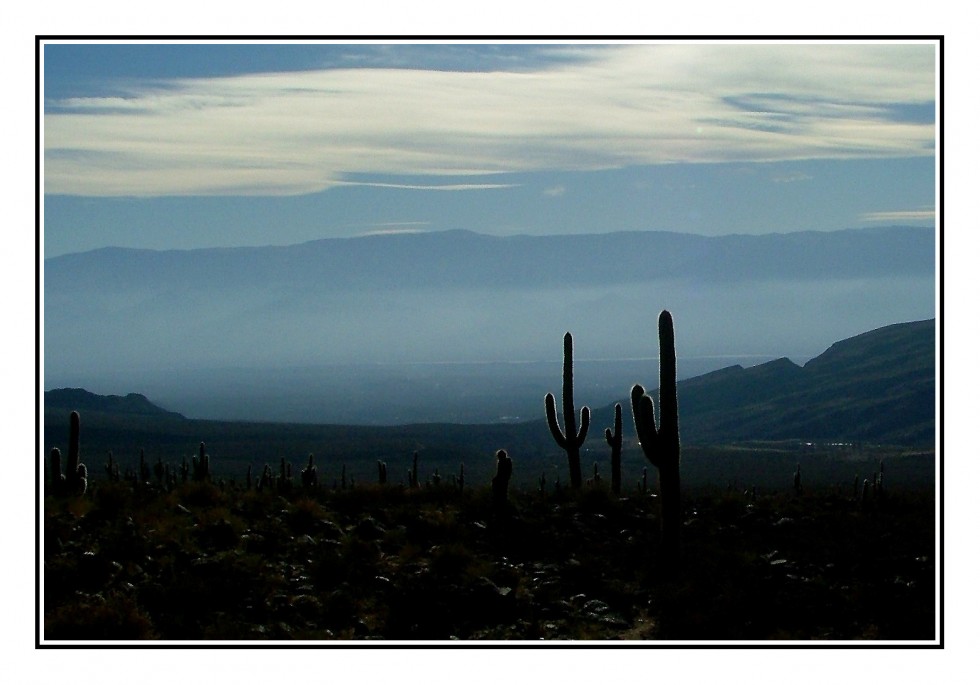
(877, 387)
(462, 259)
(167, 322)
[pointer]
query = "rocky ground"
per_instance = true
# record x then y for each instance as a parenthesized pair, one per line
(204, 562)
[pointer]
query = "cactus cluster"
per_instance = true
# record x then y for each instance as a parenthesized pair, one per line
(572, 438)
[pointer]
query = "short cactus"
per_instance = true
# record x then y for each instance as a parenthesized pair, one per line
(571, 440)
(202, 465)
(413, 473)
(798, 481)
(382, 472)
(309, 477)
(614, 438)
(112, 469)
(505, 467)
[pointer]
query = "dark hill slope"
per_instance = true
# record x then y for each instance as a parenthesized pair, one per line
(78, 399)
(878, 386)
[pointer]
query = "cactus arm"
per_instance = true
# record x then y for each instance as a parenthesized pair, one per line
(552, 414)
(614, 438)
(646, 424)
(584, 429)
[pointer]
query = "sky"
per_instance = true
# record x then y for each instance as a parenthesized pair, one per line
(187, 145)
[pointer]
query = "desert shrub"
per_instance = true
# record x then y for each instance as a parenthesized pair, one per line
(94, 617)
(201, 494)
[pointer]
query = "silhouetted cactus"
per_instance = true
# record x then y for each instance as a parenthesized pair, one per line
(309, 477)
(571, 440)
(498, 484)
(614, 438)
(160, 471)
(76, 474)
(112, 469)
(248, 478)
(462, 476)
(267, 480)
(58, 481)
(798, 481)
(284, 481)
(413, 473)
(74, 481)
(201, 465)
(596, 478)
(662, 446)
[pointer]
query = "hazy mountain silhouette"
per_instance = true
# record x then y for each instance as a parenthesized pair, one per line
(464, 259)
(161, 321)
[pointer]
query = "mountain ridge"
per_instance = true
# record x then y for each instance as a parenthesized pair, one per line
(466, 258)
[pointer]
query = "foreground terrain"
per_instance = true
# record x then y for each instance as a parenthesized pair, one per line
(215, 562)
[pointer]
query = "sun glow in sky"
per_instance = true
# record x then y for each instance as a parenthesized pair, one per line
(194, 145)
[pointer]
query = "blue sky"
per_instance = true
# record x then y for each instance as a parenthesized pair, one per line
(196, 145)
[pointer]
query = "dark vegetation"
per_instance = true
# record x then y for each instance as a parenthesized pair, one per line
(160, 550)
(205, 561)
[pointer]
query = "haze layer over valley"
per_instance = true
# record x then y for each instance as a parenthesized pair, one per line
(459, 326)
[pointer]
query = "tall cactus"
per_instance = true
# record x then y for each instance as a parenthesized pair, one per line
(614, 438)
(662, 445)
(571, 440)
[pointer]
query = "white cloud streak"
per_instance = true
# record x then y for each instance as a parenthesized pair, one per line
(303, 132)
(904, 215)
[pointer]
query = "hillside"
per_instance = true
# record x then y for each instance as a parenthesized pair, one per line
(78, 399)
(878, 386)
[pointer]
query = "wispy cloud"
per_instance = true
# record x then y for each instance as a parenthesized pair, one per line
(418, 186)
(904, 215)
(554, 191)
(792, 177)
(302, 132)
